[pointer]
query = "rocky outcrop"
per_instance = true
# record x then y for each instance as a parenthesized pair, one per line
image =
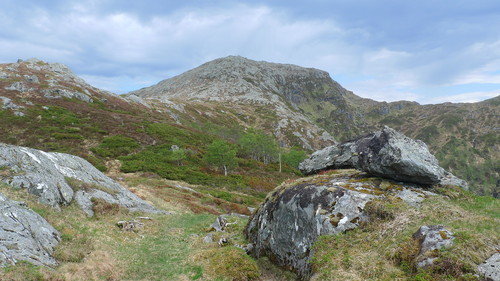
(59, 178)
(432, 238)
(490, 269)
(294, 215)
(25, 235)
(386, 153)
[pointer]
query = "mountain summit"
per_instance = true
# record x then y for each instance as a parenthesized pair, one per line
(261, 94)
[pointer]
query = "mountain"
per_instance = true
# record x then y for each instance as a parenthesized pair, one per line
(252, 94)
(291, 101)
(168, 152)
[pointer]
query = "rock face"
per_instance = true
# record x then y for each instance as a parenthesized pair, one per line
(386, 153)
(58, 178)
(490, 269)
(293, 216)
(25, 235)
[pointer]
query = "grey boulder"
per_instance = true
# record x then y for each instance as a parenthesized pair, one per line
(294, 215)
(432, 238)
(386, 153)
(52, 176)
(490, 269)
(25, 235)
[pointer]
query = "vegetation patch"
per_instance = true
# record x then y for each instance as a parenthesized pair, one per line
(383, 249)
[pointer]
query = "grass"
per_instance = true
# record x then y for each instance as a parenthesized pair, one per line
(384, 250)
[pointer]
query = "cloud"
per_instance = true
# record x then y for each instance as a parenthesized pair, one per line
(122, 46)
(466, 97)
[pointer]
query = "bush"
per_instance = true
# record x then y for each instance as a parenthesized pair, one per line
(115, 146)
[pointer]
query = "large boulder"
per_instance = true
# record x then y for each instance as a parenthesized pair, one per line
(59, 178)
(386, 153)
(25, 235)
(294, 215)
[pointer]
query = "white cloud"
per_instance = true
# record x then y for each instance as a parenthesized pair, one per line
(466, 97)
(121, 50)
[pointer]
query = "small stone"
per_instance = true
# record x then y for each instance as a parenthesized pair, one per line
(220, 224)
(208, 238)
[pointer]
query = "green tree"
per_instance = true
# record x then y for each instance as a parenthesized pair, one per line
(220, 155)
(258, 146)
(178, 155)
(293, 157)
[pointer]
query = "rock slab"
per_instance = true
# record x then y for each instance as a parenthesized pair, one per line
(386, 153)
(490, 269)
(48, 175)
(25, 235)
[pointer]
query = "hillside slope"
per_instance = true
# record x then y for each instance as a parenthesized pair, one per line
(286, 99)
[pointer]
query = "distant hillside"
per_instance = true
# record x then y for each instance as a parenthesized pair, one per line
(286, 100)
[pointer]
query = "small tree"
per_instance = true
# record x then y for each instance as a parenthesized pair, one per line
(178, 155)
(294, 157)
(220, 155)
(258, 146)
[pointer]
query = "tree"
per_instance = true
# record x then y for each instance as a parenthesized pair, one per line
(220, 155)
(258, 146)
(294, 157)
(178, 155)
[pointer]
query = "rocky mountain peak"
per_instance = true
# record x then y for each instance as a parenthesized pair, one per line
(237, 78)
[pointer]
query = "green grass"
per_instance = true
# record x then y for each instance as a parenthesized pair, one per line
(164, 255)
(384, 250)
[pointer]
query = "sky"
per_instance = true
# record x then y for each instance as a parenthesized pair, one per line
(424, 51)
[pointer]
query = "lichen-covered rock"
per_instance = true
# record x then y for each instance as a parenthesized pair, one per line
(59, 178)
(432, 238)
(25, 235)
(386, 153)
(490, 269)
(294, 215)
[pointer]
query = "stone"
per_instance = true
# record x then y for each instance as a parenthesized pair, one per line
(8, 104)
(386, 153)
(490, 269)
(59, 178)
(292, 217)
(64, 93)
(32, 79)
(208, 238)
(25, 235)
(219, 224)
(432, 238)
(18, 86)
(137, 99)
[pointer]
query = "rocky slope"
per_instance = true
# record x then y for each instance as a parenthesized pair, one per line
(57, 179)
(255, 94)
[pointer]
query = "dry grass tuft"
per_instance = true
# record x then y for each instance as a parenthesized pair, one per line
(99, 265)
(228, 263)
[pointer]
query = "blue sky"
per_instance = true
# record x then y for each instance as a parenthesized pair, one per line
(426, 51)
